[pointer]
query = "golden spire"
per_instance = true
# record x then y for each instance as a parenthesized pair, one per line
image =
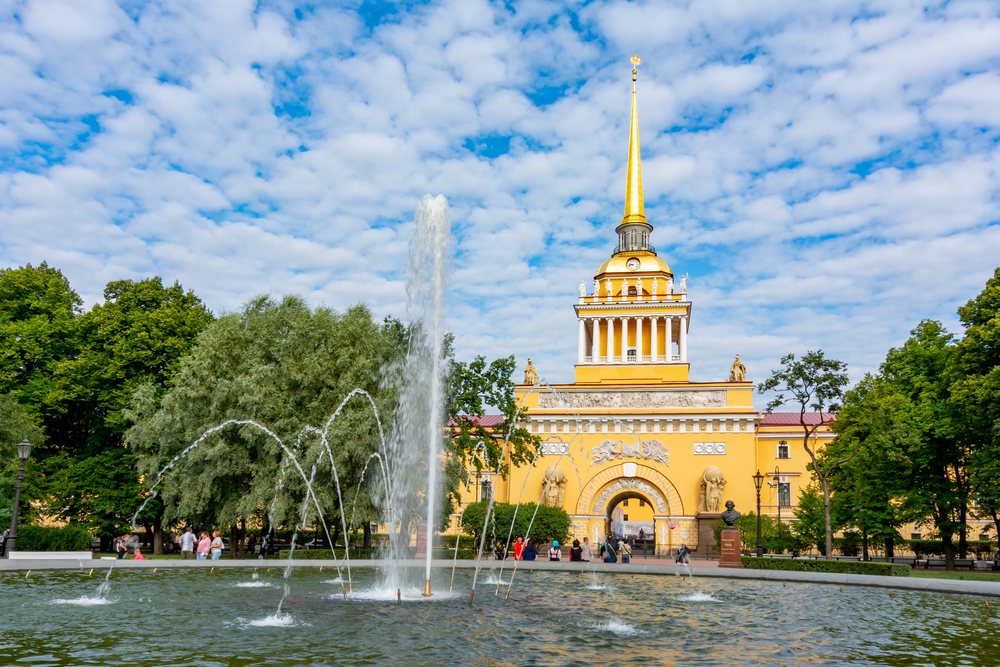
(634, 211)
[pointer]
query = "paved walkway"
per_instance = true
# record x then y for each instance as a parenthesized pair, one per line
(938, 586)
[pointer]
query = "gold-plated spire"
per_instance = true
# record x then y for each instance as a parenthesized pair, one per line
(634, 211)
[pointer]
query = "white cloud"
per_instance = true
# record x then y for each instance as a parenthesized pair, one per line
(827, 173)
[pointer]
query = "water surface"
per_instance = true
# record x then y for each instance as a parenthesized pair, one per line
(194, 617)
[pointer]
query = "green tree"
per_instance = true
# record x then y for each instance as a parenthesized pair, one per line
(869, 489)
(472, 387)
(810, 524)
(15, 425)
(551, 523)
(976, 396)
(925, 424)
(285, 366)
(815, 383)
(136, 337)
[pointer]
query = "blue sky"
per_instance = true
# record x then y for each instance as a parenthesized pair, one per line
(826, 172)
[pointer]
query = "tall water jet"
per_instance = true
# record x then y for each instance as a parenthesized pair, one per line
(418, 424)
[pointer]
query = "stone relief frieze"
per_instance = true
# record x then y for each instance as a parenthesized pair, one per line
(634, 399)
(631, 485)
(609, 450)
(554, 447)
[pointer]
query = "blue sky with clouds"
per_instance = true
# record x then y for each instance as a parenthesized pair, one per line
(826, 172)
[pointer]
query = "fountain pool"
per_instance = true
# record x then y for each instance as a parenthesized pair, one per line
(199, 617)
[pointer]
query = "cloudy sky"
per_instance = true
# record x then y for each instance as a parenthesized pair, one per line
(826, 172)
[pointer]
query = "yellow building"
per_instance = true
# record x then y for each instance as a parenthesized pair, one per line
(634, 432)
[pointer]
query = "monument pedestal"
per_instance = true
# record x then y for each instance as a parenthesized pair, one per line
(706, 538)
(732, 548)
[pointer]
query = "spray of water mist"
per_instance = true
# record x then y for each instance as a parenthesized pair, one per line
(414, 445)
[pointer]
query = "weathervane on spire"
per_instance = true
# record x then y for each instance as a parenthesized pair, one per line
(635, 62)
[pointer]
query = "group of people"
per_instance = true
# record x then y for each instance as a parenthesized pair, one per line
(609, 552)
(203, 546)
(124, 544)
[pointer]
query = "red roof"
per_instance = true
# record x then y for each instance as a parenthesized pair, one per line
(792, 418)
(482, 420)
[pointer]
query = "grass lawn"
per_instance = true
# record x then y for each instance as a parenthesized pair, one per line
(969, 576)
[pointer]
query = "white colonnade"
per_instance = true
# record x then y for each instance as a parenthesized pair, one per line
(609, 357)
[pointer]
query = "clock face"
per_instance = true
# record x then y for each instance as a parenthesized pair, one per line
(632, 264)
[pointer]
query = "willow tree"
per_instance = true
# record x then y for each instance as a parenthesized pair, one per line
(283, 366)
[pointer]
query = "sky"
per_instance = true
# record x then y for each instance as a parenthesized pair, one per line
(825, 172)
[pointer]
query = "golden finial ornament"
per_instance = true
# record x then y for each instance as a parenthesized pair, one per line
(634, 209)
(635, 60)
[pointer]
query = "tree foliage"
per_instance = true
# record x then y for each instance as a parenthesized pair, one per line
(284, 366)
(551, 523)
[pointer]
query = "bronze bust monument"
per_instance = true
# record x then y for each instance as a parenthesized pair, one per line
(730, 516)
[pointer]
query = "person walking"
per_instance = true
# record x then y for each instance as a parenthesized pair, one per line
(217, 545)
(187, 544)
(554, 552)
(585, 551)
(500, 553)
(518, 547)
(251, 543)
(121, 550)
(530, 551)
(625, 549)
(575, 552)
(204, 544)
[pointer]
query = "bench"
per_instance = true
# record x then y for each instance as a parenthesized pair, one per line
(50, 555)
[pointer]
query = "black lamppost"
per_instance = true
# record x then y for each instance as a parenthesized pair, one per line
(777, 485)
(758, 481)
(23, 452)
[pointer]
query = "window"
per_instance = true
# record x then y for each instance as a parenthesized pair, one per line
(784, 494)
(625, 503)
(984, 537)
(914, 536)
(631, 354)
(632, 292)
(485, 490)
(783, 452)
(624, 517)
(642, 502)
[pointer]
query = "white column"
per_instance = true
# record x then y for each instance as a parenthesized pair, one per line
(581, 342)
(611, 339)
(654, 324)
(668, 341)
(595, 339)
(683, 339)
(638, 339)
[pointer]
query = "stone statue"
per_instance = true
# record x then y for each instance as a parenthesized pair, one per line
(530, 374)
(624, 289)
(730, 516)
(670, 285)
(597, 287)
(607, 283)
(712, 487)
(554, 487)
(684, 284)
(632, 449)
(654, 450)
(638, 286)
(583, 289)
(737, 372)
(653, 290)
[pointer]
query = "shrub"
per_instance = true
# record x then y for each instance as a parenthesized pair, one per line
(369, 554)
(835, 566)
(44, 538)
(551, 523)
(921, 548)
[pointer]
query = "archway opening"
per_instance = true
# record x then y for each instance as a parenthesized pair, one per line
(629, 514)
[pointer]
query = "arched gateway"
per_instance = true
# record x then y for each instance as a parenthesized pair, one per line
(628, 480)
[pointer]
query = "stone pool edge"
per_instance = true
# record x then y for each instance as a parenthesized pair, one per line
(946, 586)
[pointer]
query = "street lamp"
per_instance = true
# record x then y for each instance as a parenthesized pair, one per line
(758, 481)
(777, 485)
(23, 452)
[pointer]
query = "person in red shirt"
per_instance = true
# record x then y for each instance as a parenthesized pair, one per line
(518, 548)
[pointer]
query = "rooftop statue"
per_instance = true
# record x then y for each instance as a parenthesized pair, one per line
(737, 372)
(530, 374)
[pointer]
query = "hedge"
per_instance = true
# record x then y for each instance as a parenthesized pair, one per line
(837, 566)
(366, 554)
(43, 538)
